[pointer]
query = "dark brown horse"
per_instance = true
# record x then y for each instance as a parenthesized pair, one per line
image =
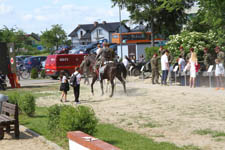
(111, 71)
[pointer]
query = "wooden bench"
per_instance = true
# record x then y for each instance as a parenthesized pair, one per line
(8, 117)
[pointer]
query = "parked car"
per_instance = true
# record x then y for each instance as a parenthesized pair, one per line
(23, 57)
(19, 61)
(78, 50)
(90, 47)
(93, 51)
(66, 62)
(34, 62)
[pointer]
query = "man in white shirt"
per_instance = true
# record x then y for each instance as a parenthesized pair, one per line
(76, 89)
(164, 67)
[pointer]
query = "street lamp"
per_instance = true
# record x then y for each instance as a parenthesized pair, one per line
(120, 32)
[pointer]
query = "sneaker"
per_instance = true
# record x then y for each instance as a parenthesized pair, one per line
(77, 103)
(222, 88)
(217, 88)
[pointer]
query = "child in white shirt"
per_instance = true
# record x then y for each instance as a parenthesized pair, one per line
(219, 73)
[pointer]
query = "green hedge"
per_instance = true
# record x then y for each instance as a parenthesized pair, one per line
(25, 101)
(63, 118)
(150, 51)
(42, 73)
(34, 73)
(27, 104)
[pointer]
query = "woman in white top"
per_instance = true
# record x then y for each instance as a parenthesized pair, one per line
(193, 62)
(64, 86)
(219, 73)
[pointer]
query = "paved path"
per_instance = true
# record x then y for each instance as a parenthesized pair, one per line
(27, 141)
(31, 82)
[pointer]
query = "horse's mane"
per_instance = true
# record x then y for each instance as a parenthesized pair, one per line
(90, 59)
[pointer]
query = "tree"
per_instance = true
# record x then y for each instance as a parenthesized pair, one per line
(12, 35)
(54, 37)
(213, 13)
(163, 16)
(210, 17)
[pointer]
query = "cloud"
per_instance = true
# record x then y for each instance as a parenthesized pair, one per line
(4, 9)
(55, 1)
(41, 18)
(1, 1)
(27, 17)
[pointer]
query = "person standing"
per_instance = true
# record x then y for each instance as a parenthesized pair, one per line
(220, 54)
(193, 62)
(219, 73)
(181, 64)
(182, 53)
(164, 67)
(142, 59)
(207, 59)
(155, 69)
(76, 87)
(189, 55)
(64, 86)
(125, 62)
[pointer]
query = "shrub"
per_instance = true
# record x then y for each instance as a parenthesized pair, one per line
(53, 117)
(196, 40)
(43, 75)
(149, 51)
(80, 118)
(67, 118)
(34, 73)
(27, 104)
(13, 97)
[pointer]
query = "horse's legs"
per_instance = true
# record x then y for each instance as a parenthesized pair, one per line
(107, 86)
(101, 82)
(94, 78)
(123, 82)
(112, 84)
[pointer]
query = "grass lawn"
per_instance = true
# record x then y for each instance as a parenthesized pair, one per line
(106, 132)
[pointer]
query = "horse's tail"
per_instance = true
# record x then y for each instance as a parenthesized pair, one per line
(123, 70)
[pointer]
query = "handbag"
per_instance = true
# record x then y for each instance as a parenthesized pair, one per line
(197, 67)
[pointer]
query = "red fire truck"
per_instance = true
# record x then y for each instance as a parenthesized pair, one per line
(66, 62)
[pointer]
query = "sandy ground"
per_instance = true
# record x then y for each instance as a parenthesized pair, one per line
(163, 113)
(27, 141)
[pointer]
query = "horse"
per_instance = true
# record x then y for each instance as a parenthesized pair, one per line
(111, 71)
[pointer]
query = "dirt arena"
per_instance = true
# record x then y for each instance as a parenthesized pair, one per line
(165, 113)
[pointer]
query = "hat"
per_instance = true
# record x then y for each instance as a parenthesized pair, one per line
(205, 48)
(192, 49)
(217, 47)
(181, 47)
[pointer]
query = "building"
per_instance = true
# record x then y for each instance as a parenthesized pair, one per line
(88, 33)
(133, 44)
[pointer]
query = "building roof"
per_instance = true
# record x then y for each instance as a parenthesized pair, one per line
(34, 35)
(110, 27)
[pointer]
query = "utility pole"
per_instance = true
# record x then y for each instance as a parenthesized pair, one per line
(120, 32)
(152, 33)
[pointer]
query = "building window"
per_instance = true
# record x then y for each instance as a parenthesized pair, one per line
(99, 32)
(81, 33)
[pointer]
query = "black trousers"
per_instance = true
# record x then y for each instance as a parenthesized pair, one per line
(76, 92)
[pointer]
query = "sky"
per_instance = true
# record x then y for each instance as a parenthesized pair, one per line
(38, 15)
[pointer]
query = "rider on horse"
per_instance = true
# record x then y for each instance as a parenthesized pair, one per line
(105, 56)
